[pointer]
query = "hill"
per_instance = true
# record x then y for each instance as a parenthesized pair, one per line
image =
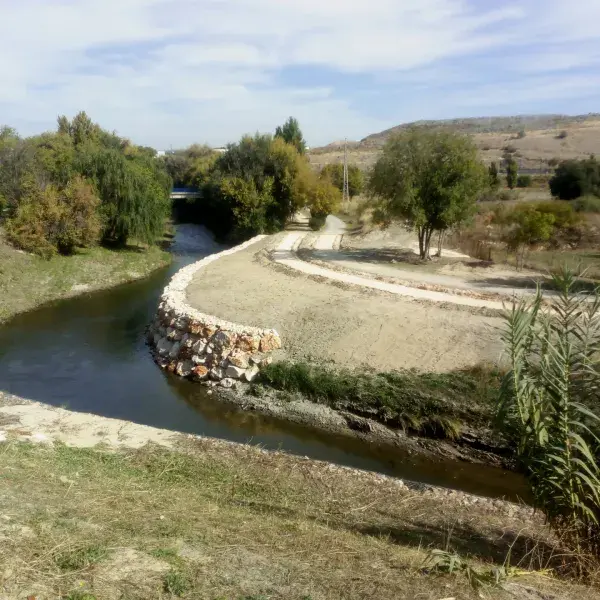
(539, 141)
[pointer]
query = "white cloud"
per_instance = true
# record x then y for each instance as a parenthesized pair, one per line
(177, 71)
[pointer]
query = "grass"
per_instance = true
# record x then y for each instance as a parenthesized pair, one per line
(434, 404)
(27, 281)
(216, 521)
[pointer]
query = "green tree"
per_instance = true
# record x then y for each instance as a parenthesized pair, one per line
(134, 192)
(493, 176)
(335, 173)
(430, 178)
(575, 178)
(524, 227)
(550, 397)
(524, 181)
(291, 133)
(512, 172)
(53, 220)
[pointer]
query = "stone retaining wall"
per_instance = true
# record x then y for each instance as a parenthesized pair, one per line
(203, 347)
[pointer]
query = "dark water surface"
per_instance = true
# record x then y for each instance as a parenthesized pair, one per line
(88, 354)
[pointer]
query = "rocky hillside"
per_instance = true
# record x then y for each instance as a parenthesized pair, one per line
(539, 141)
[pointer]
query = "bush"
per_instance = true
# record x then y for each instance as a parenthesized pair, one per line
(521, 134)
(524, 181)
(575, 178)
(317, 221)
(563, 213)
(335, 173)
(51, 221)
(550, 394)
(562, 135)
(587, 204)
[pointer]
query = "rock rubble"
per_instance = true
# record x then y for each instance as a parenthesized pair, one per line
(202, 347)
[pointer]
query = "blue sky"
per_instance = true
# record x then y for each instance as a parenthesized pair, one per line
(172, 72)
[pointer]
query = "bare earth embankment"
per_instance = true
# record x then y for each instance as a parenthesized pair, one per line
(348, 325)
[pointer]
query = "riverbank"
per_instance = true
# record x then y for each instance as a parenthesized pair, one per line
(88, 507)
(28, 281)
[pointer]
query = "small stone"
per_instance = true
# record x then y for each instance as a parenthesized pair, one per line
(256, 359)
(184, 368)
(249, 343)
(200, 373)
(199, 347)
(265, 362)
(251, 373)
(217, 373)
(196, 328)
(208, 331)
(156, 338)
(163, 363)
(238, 358)
(227, 383)
(172, 366)
(234, 372)
(270, 342)
(198, 360)
(164, 347)
(174, 353)
(223, 339)
(209, 349)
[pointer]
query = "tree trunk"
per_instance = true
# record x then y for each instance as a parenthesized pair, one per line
(421, 233)
(427, 242)
(440, 242)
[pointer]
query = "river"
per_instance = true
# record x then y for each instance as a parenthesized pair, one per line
(88, 354)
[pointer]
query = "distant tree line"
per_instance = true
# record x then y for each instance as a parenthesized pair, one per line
(78, 186)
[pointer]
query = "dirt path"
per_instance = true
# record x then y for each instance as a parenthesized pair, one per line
(328, 319)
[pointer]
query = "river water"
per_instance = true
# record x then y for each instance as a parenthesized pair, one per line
(88, 354)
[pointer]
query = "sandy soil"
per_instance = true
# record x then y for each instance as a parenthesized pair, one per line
(349, 326)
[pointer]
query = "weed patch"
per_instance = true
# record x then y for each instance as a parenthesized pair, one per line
(434, 404)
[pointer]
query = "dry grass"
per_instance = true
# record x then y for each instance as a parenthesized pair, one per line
(236, 523)
(27, 281)
(536, 150)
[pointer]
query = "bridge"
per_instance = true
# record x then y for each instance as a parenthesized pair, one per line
(185, 194)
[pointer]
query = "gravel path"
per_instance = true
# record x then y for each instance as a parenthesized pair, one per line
(350, 325)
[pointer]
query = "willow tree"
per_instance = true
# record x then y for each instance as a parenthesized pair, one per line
(429, 178)
(134, 191)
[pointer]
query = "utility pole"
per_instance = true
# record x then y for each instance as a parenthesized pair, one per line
(346, 190)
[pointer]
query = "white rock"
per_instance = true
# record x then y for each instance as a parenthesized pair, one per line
(251, 373)
(234, 372)
(227, 383)
(217, 373)
(199, 360)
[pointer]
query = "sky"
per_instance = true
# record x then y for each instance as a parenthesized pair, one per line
(168, 73)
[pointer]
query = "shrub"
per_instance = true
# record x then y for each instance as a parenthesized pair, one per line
(550, 395)
(587, 204)
(335, 173)
(51, 221)
(521, 134)
(317, 221)
(575, 178)
(562, 135)
(524, 181)
(512, 172)
(563, 213)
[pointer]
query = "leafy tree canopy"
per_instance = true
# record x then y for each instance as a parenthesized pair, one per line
(430, 178)
(291, 133)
